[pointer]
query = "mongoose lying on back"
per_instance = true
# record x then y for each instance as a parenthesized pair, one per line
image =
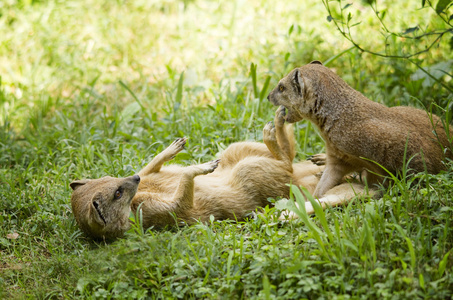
(247, 174)
(354, 127)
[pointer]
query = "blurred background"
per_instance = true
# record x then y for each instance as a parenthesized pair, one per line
(90, 88)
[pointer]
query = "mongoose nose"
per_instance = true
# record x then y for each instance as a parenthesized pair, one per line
(136, 178)
(268, 98)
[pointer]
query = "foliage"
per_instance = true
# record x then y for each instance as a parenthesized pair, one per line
(93, 88)
(409, 44)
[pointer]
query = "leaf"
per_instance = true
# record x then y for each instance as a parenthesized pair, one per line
(132, 93)
(12, 236)
(436, 71)
(410, 29)
(179, 90)
(441, 5)
(253, 74)
(421, 280)
(287, 55)
(411, 252)
(350, 245)
(264, 89)
(282, 204)
(129, 111)
(291, 29)
(347, 5)
(443, 264)
(451, 43)
(329, 18)
(423, 3)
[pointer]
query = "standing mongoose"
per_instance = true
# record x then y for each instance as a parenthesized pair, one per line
(359, 132)
(242, 180)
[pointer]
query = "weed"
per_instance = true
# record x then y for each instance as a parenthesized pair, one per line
(96, 88)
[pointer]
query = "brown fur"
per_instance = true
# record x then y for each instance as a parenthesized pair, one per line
(245, 176)
(354, 127)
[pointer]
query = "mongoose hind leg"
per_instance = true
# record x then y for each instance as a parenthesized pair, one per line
(168, 154)
(203, 169)
(160, 209)
(183, 196)
(342, 194)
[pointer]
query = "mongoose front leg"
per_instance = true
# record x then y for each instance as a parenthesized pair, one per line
(166, 155)
(183, 197)
(332, 175)
(282, 136)
(270, 139)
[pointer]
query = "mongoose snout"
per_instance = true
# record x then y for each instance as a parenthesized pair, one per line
(136, 178)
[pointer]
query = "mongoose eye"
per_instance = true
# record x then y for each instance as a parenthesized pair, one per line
(118, 194)
(281, 88)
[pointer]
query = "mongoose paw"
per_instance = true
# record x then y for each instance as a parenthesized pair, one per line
(269, 132)
(280, 114)
(318, 159)
(209, 167)
(177, 146)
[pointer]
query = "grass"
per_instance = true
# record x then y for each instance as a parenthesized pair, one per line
(94, 88)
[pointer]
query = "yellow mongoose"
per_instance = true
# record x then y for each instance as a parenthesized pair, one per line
(354, 127)
(245, 176)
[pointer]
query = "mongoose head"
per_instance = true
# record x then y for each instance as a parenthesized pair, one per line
(102, 206)
(297, 92)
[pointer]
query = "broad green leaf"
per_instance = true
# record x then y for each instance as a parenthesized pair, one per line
(178, 98)
(441, 5)
(410, 29)
(347, 5)
(443, 264)
(291, 29)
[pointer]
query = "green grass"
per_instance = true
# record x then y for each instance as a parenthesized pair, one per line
(94, 88)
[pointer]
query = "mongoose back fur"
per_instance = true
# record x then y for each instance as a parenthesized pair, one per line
(354, 127)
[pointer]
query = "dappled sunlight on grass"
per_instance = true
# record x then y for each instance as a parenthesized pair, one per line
(94, 88)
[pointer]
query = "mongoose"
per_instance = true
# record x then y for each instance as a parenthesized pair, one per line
(245, 176)
(357, 130)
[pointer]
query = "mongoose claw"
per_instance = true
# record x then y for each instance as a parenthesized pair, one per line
(209, 167)
(318, 159)
(179, 143)
(268, 127)
(269, 132)
(176, 147)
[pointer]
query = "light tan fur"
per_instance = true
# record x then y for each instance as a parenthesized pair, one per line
(245, 176)
(354, 127)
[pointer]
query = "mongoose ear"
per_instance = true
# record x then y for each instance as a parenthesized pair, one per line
(78, 183)
(316, 62)
(298, 82)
